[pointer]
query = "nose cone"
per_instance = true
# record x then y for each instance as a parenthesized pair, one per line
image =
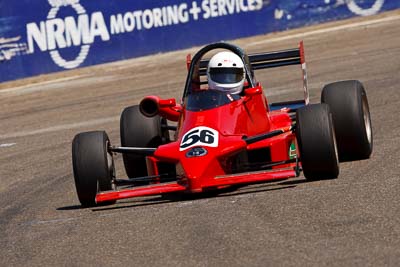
(196, 165)
(200, 164)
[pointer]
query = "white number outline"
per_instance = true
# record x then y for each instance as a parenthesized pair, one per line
(197, 132)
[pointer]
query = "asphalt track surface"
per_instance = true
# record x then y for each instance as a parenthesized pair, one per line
(351, 221)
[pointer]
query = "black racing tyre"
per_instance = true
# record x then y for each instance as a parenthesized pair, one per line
(93, 166)
(138, 130)
(349, 106)
(317, 144)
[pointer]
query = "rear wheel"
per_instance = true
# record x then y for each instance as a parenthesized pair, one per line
(139, 131)
(317, 144)
(349, 106)
(93, 166)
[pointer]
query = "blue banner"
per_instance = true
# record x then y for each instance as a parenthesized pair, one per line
(45, 36)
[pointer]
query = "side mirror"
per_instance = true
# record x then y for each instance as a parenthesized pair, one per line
(167, 103)
(250, 92)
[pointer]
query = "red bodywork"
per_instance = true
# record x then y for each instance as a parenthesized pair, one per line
(246, 117)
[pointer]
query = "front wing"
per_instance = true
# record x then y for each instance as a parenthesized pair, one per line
(219, 181)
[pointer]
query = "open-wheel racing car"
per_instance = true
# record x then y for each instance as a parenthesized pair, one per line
(223, 138)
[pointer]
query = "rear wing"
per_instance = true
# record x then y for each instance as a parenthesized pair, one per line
(272, 60)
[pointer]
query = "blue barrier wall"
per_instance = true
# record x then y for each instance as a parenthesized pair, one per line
(44, 36)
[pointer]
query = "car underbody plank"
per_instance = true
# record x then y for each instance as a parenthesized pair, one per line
(252, 177)
(139, 191)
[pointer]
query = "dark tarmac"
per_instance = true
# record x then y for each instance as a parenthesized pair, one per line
(351, 221)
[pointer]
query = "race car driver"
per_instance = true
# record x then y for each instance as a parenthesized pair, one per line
(225, 73)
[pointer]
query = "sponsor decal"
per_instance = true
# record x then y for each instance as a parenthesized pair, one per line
(48, 35)
(55, 33)
(11, 47)
(286, 9)
(292, 151)
(360, 9)
(199, 136)
(82, 29)
(196, 152)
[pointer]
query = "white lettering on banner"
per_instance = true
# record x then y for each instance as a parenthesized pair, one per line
(55, 28)
(82, 30)
(150, 18)
(98, 28)
(195, 10)
(58, 33)
(179, 14)
(77, 33)
(217, 8)
(355, 6)
(37, 35)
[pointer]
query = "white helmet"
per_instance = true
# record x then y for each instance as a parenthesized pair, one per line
(225, 72)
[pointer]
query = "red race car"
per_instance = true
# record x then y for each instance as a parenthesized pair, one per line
(226, 133)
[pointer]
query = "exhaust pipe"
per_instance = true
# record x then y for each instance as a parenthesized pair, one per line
(149, 106)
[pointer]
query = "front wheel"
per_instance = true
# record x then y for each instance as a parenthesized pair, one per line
(139, 131)
(317, 143)
(349, 106)
(93, 166)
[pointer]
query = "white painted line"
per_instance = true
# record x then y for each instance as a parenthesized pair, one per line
(39, 84)
(60, 128)
(51, 221)
(327, 30)
(60, 84)
(7, 145)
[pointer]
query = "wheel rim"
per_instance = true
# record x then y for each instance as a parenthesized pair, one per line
(334, 140)
(111, 166)
(367, 119)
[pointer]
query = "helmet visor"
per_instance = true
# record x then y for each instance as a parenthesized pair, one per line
(226, 75)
